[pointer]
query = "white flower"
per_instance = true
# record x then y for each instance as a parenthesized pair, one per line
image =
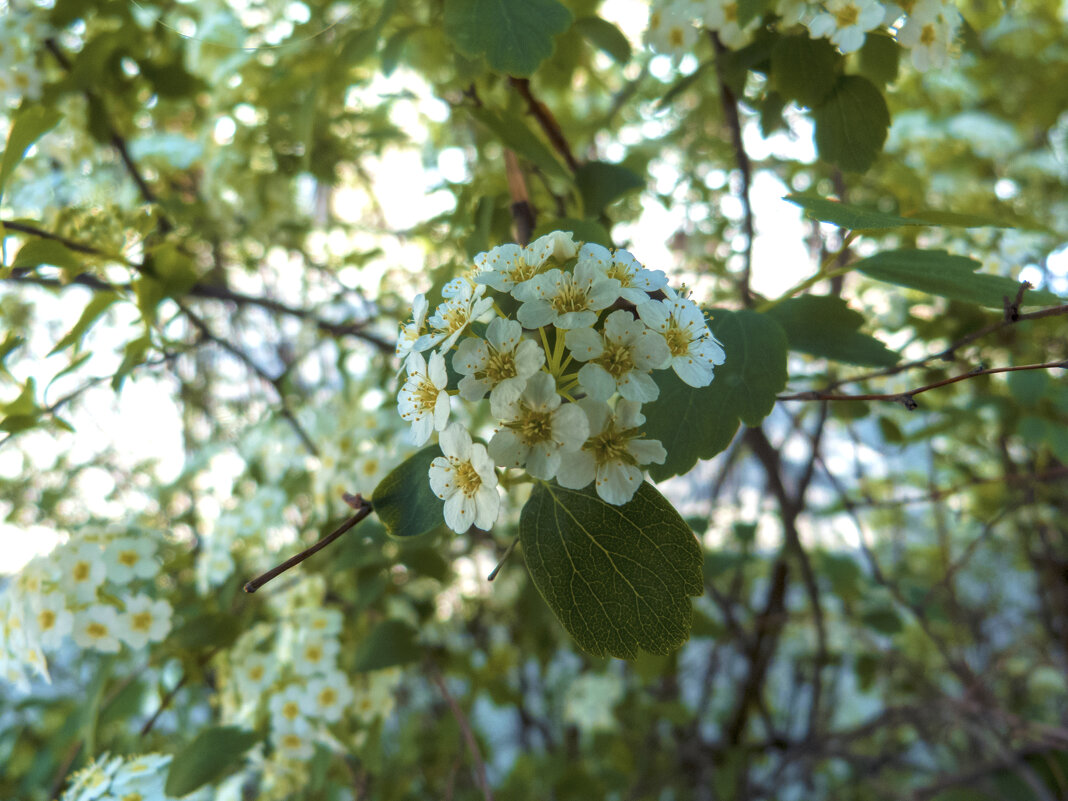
(635, 282)
(612, 455)
(537, 429)
(321, 622)
(671, 30)
(694, 351)
(453, 315)
(589, 700)
(721, 16)
(293, 740)
(288, 706)
(568, 300)
(423, 400)
(929, 31)
(316, 654)
(82, 570)
(507, 266)
(500, 364)
(255, 673)
(51, 620)
(141, 778)
(144, 621)
(97, 627)
(846, 21)
(465, 479)
(374, 696)
(329, 696)
(619, 358)
(214, 566)
(127, 558)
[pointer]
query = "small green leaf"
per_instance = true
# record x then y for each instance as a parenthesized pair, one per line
(825, 326)
(851, 124)
(213, 754)
(394, 47)
(515, 36)
(862, 218)
(601, 182)
(96, 306)
(514, 133)
(404, 501)
(883, 619)
(49, 251)
(804, 69)
(617, 577)
(606, 36)
(390, 643)
(29, 125)
(937, 272)
(879, 57)
(749, 10)
(697, 424)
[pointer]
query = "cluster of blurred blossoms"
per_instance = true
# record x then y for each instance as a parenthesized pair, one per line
(927, 28)
(562, 337)
(138, 778)
(22, 30)
(94, 590)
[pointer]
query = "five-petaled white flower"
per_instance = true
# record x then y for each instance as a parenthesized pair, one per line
(316, 654)
(51, 620)
(288, 706)
(255, 673)
(465, 479)
(500, 364)
(97, 626)
(671, 30)
(453, 315)
(537, 428)
(328, 696)
(423, 400)
(127, 558)
(83, 570)
(613, 453)
(507, 266)
(635, 282)
(928, 32)
(619, 358)
(694, 351)
(293, 740)
(567, 300)
(411, 331)
(846, 21)
(144, 621)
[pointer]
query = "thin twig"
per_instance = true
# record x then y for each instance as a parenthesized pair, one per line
(363, 509)
(546, 121)
(468, 734)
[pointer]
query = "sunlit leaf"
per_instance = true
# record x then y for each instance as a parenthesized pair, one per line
(29, 125)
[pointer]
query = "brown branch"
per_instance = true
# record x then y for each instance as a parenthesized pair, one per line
(468, 734)
(546, 121)
(906, 398)
(522, 211)
(363, 509)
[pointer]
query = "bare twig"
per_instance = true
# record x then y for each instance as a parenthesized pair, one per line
(546, 121)
(465, 730)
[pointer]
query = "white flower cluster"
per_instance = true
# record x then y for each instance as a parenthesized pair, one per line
(119, 778)
(927, 28)
(21, 33)
(83, 590)
(565, 378)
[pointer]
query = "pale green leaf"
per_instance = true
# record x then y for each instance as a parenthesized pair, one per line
(515, 36)
(29, 125)
(617, 577)
(606, 36)
(697, 424)
(851, 124)
(404, 501)
(825, 326)
(98, 303)
(48, 251)
(213, 754)
(513, 133)
(937, 272)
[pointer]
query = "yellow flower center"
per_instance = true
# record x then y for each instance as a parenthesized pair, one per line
(328, 696)
(468, 480)
(291, 710)
(256, 672)
(142, 621)
(46, 620)
(847, 15)
(96, 630)
(928, 34)
(570, 298)
(616, 359)
(730, 12)
(678, 340)
(128, 558)
(81, 571)
(676, 36)
(500, 365)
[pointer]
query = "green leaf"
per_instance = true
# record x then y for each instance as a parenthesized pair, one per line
(804, 69)
(862, 218)
(851, 124)
(404, 501)
(515, 36)
(601, 182)
(606, 36)
(213, 754)
(29, 125)
(936, 272)
(1028, 386)
(825, 326)
(879, 58)
(749, 10)
(98, 303)
(617, 577)
(697, 424)
(49, 251)
(394, 47)
(514, 133)
(883, 619)
(390, 643)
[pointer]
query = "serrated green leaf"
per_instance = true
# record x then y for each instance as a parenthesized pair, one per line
(825, 326)
(29, 125)
(213, 754)
(514, 133)
(879, 58)
(515, 36)
(861, 218)
(49, 251)
(804, 69)
(98, 303)
(606, 36)
(390, 643)
(937, 272)
(617, 577)
(404, 501)
(601, 182)
(697, 424)
(851, 124)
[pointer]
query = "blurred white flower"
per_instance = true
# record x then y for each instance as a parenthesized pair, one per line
(845, 22)
(329, 696)
(97, 627)
(82, 569)
(51, 620)
(127, 558)
(144, 620)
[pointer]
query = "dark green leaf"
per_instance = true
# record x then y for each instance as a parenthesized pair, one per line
(749, 10)
(601, 182)
(771, 108)
(212, 755)
(882, 619)
(879, 57)
(804, 69)
(404, 501)
(851, 124)
(825, 326)
(29, 125)
(514, 133)
(515, 36)
(861, 218)
(697, 424)
(98, 303)
(1028, 386)
(936, 272)
(603, 34)
(617, 577)
(390, 643)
